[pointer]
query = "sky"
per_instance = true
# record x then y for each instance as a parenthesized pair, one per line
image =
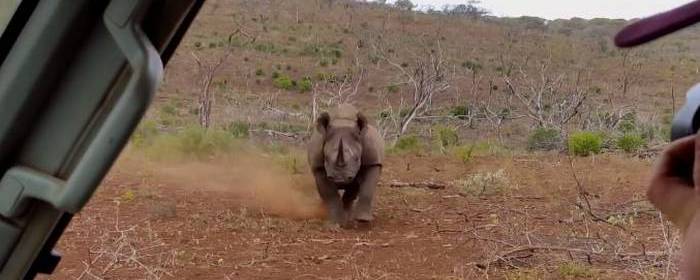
(553, 9)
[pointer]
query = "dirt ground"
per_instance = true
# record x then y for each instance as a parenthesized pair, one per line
(549, 218)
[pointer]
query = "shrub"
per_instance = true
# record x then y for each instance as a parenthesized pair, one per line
(193, 142)
(459, 112)
(259, 72)
(544, 139)
(446, 137)
(168, 109)
(392, 88)
(571, 270)
(585, 143)
(630, 142)
(464, 152)
(284, 82)
(239, 129)
(628, 123)
(145, 132)
(198, 142)
(275, 74)
(323, 62)
(485, 183)
(304, 84)
(407, 143)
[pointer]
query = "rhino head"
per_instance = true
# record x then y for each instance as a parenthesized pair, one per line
(342, 148)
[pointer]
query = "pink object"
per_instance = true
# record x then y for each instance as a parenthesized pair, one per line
(653, 27)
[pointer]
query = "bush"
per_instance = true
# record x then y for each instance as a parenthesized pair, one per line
(485, 183)
(585, 143)
(259, 72)
(464, 152)
(284, 82)
(198, 142)
(392, 88)
(572, 270)
(544, 139)
(145, 132)
(459, 112)
(446, 137)
(304, 85)
(630, 143)
(239, 129)
(407, 143)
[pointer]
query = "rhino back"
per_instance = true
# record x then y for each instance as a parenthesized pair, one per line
(372, 147)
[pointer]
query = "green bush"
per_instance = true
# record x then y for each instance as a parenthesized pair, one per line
(168, 109)
(459, 112)
(304, 85)
(239, 129)
(464, 152)
(446, 137)
(259, 72)
(145, 132)
(392, 88)
(407, 143)
(198, 142)
(544, 139)
(630, 143)
(193, 142)
(585, 143)
(323, 62)
(283, 82)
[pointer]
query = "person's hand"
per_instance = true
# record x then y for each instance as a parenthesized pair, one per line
(675, 183)
(675, 190)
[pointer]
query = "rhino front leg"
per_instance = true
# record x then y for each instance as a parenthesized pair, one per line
(368, 186)
(329, 195)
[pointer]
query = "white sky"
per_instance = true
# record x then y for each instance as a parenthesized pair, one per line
(553, 9)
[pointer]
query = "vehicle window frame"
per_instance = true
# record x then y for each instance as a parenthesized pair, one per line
(14, 27)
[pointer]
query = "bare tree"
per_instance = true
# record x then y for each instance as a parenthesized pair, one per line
(425, 78)
(207, 71)
(333, 90)
(631, 65)
(205, 99)
(549, 98)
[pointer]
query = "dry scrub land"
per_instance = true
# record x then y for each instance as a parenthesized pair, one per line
(532, 220)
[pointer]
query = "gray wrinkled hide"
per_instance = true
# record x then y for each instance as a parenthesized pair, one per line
(359, 138)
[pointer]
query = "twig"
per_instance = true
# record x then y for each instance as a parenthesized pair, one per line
(427, 185)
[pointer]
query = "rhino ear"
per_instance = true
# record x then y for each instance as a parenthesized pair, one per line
(322, 122)
(361, 122)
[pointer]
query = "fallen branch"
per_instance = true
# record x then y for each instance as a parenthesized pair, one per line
(271, 132)
(421, 185)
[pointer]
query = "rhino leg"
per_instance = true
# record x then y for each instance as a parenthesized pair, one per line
(368, 185)
(349, 197)
(329, 195)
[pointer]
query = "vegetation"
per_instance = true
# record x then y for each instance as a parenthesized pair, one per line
(284, 82)
(630, 143)
(407, 144)
(544, 139)
(585, 143)
(445, 137)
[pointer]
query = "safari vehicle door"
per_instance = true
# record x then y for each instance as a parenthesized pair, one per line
(76, 76)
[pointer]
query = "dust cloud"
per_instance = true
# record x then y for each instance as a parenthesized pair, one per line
(258, 180)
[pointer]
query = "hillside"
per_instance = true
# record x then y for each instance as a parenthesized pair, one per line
(359, 50)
